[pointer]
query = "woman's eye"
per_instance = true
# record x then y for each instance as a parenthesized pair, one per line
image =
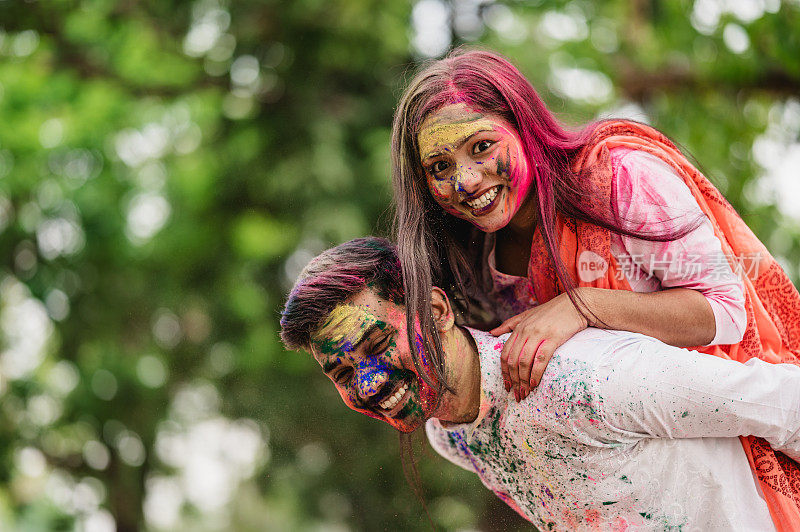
(438, 166)
(482, 146)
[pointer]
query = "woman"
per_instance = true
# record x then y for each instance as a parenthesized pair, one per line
(556, 230)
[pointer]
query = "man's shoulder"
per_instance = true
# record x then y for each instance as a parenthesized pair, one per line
(592, 344)
(489, 349)
(446, 442)
(486, 342)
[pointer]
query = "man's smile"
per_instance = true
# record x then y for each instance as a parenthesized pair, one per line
(395, 399)
(394, 395)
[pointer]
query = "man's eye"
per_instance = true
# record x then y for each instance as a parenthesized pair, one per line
(381, 346)
(438, 167)
(482, 146)
(343, 376)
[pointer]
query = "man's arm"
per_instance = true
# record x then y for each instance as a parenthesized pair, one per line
(649, 389)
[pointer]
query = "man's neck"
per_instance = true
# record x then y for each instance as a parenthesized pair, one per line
(463, 373)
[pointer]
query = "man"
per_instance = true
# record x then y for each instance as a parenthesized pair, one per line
(622, 432)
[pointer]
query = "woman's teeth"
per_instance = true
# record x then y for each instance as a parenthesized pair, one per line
(392, 401)
(485, 199)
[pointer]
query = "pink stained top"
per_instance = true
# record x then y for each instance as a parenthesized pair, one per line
(647, 193)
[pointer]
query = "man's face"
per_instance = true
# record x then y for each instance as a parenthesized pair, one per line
(363, 348)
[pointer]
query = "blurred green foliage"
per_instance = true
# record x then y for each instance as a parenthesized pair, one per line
(166, 169)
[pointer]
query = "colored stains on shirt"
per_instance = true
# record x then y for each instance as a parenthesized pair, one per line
(553, 457)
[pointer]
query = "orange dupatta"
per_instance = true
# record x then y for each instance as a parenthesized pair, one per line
(771, 300)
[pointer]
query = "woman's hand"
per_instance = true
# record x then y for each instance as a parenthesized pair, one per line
(537, 333)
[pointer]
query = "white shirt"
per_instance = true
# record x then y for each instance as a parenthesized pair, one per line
(647, 194)
(626, 432)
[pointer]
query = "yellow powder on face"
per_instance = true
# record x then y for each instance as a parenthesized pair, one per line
(346, 324)
(449, 127)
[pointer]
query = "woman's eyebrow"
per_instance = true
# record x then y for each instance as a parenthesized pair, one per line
(457, 146)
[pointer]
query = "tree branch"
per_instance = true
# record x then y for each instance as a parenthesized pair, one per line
(640, 86)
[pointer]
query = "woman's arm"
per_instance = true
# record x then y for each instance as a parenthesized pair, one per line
(679, 316)
(648, 195)
(698, 299)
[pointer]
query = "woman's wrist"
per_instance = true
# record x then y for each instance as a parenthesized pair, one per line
(590, 307)
(584, 310)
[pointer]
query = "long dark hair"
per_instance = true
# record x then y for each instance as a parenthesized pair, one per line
(437, 248)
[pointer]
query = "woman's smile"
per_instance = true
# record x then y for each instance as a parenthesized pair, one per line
(485, 201)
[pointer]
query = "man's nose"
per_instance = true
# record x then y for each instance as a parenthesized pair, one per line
(467, 179)
(370, 380)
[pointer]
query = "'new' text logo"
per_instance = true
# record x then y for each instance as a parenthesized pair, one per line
(591, 266)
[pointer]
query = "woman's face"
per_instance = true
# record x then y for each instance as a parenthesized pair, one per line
(475, 166)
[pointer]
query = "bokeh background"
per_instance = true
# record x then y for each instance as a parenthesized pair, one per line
(166, 169)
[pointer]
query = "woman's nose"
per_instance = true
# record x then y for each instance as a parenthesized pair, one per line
(467, 180)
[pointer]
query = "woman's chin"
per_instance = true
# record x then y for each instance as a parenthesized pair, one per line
(491, 222)
(488, 227)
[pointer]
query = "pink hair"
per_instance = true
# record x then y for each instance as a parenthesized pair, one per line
(435, 247)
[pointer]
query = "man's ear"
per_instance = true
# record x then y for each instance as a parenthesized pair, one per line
(443, 315)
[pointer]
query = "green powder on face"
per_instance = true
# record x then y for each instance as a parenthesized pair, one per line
(345, 327)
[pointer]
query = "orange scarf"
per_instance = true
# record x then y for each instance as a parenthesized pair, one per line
(772, 301)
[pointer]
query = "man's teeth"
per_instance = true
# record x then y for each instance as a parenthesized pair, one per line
(392, 401)
(485, 199)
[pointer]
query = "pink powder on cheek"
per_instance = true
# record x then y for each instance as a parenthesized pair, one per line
(439, 189)
(521, 179)
(442, 198)
(428, 396)
(423, 359)
(452, 210)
